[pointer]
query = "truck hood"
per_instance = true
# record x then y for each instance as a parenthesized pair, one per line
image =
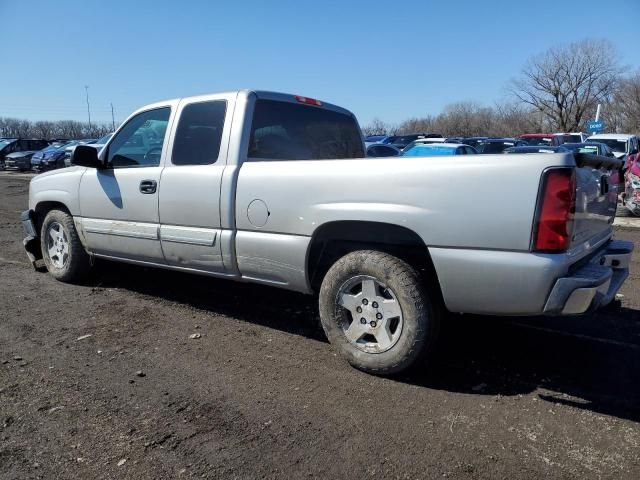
(58, 172)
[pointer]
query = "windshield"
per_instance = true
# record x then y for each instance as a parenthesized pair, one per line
(428, 151)
(52, 147)
(105, 139)
(535, 141)
(4, 143)
(614, 144)
(582, 148)
(493, 147)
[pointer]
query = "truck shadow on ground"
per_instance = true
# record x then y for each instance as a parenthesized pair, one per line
(590, 362)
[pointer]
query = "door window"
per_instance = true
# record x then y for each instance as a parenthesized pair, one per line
(139, 142)
(199, 133)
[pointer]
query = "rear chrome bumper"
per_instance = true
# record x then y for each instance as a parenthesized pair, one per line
(594, 284)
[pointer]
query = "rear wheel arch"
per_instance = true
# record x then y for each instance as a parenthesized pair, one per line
(333, 240)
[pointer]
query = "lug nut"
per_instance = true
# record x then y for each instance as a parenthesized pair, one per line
(379, 316)
(365, 301)
(374, 304)
(373, 324)
(359, 309)
(363, 320)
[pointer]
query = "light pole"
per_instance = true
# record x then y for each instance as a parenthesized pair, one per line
(86, 89)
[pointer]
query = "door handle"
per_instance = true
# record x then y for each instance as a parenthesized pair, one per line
(148, 186)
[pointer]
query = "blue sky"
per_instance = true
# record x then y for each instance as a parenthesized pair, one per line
(391, 60)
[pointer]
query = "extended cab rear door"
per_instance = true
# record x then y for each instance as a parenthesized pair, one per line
(189, 201)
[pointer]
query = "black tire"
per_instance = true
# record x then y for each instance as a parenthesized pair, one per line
(76, 263)
(420, 315)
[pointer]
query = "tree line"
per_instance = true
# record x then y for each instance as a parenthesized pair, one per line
(556, 91)
(50, 130)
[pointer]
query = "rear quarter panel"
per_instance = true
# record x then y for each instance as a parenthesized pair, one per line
(475, 201)
(463, 208)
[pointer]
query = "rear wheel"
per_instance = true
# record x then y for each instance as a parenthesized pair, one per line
(376, 312)
(62, 251)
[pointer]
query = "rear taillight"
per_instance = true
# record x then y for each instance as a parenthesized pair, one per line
(309, 101)
(557, 205)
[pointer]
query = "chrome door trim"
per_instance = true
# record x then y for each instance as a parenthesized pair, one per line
(190, 235)
(120, 228)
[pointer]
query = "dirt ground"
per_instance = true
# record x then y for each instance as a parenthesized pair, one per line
(102, 380)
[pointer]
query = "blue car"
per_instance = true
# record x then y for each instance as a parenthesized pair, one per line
(52, 157)
(437, 150)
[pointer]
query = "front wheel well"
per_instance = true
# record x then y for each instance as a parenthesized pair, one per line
(336, 239)
(42, 208)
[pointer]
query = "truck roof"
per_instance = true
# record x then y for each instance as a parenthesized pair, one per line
(261, 94)
(616, 136)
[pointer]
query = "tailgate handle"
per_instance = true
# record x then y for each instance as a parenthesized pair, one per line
(148, 186)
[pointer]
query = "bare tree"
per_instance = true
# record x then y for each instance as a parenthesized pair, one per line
(625, 108)
(513, 119)
(43, 129)
(565, 83)
(416, 125)
(376, 127)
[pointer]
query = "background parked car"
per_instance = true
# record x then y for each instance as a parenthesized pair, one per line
(97, 144)
(401, 141)
(20, 161)
(535, 139)
(50, 157)
(382, 150)
(11, 145)
(595, 148)
(536, 149)
(622, 144)
(437, 149)
(574, 137)
(499, 145)
(371, 139)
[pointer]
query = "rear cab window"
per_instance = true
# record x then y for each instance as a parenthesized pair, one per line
(283, 130)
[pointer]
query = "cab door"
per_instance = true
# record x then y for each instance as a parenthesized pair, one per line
(190, 227)
(119, 204)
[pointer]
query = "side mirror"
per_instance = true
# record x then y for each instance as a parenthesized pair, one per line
(85, 156)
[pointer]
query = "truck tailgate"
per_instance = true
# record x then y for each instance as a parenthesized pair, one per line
(597, 185)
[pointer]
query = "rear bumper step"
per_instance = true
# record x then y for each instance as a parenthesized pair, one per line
(593, 285)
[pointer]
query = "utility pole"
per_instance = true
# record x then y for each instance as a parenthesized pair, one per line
(113, 120)
(86, 89)
(598, 113)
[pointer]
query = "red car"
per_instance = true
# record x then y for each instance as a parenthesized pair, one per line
(632, 184)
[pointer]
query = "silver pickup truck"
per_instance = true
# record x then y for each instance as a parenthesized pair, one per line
(273, 188)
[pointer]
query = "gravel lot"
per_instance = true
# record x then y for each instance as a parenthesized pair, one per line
(102, 380)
